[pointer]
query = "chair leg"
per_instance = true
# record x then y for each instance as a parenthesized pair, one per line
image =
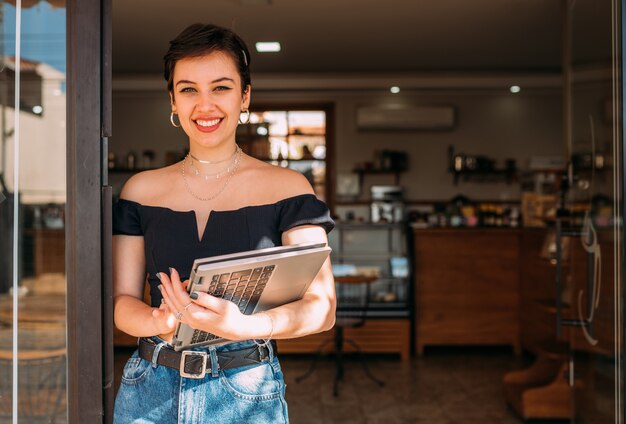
(317, 356)
(364, 364)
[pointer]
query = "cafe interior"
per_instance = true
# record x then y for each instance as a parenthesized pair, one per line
(470, 154)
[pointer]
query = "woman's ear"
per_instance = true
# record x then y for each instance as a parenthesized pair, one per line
(172, 102)
(245, 101)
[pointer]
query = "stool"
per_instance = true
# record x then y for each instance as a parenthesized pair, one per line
(353, 294)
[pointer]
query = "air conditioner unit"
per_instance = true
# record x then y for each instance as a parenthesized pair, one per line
(405, 117)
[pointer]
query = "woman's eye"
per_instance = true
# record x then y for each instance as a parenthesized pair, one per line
(222, 88)
(187, 90)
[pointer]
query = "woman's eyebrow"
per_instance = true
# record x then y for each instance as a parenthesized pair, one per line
(212, 82)
(222, 79)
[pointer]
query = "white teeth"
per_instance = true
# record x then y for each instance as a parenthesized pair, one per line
(208, 123)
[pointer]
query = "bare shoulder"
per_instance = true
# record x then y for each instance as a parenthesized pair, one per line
(278, 183)
(146, 185)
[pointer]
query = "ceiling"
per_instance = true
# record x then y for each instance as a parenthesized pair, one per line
(372, 36)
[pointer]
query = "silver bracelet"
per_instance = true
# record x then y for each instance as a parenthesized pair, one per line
(266, 341)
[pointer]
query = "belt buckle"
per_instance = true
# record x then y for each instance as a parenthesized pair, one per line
(183, 360)
(263, 352)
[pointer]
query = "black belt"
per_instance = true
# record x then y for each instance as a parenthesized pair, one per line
(196, 364)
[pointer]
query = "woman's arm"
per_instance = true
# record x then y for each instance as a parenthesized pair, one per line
(131, 314)
(314, 313)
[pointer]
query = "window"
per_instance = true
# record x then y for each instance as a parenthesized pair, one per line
(295, 139)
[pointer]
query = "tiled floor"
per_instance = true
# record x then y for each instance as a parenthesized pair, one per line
(445, 386)
(453, 386)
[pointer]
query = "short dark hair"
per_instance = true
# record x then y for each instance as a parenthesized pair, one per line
(201, 39)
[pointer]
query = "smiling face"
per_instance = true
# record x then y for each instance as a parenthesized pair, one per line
(207, 96)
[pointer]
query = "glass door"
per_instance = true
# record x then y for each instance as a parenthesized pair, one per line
(572, 318)
(33, 284)
(592, 318)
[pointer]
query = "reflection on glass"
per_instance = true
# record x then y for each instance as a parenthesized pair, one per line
(39, 189)
(595, 198)
(7, 201)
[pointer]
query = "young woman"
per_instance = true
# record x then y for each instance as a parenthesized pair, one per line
(216, 201)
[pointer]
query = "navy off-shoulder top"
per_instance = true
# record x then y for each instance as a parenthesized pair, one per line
(171, 237)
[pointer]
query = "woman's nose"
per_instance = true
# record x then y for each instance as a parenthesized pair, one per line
(205, 102)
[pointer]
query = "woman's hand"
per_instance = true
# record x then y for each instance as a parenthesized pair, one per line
(164, 319)
(208, 313)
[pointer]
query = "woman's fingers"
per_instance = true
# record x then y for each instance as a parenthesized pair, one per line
(210, 302)
(171, 302)
(175, 276)
(198, 309)
(176, 292)
(178, 287)
(170, 284)
(175, 296)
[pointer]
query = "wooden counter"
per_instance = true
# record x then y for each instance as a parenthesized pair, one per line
(376, 336)
(467, 287)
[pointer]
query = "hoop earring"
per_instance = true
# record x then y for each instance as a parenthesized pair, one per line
(248, 116)
(172, 121)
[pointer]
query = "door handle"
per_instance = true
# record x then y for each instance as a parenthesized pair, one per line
(589, 241)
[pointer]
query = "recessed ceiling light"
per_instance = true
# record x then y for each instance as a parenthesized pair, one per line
(515, 89)
(395, 89)
(267, 46)
(255, 2)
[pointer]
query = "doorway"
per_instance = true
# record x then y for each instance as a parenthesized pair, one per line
(578, 323)
(545, 108)
(51, 135)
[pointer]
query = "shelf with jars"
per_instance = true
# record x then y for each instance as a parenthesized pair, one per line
(480, 168)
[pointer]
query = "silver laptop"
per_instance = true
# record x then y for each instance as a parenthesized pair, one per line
(255, 280)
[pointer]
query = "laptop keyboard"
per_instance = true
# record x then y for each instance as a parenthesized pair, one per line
(243, 288)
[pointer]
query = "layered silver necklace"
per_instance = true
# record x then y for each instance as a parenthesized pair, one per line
(217, 175)
(229, 171)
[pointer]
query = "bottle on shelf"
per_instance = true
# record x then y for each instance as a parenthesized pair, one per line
(111, 160)
(131, 160)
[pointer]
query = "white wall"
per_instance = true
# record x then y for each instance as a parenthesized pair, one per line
(42, 149)
(141, 121)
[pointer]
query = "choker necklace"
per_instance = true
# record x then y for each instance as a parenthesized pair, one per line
(208, 162)
(231, 171)
(216, 175)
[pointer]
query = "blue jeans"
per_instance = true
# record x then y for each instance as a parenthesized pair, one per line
(157, 394)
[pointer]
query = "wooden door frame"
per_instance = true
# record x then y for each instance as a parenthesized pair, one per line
(88, 125)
